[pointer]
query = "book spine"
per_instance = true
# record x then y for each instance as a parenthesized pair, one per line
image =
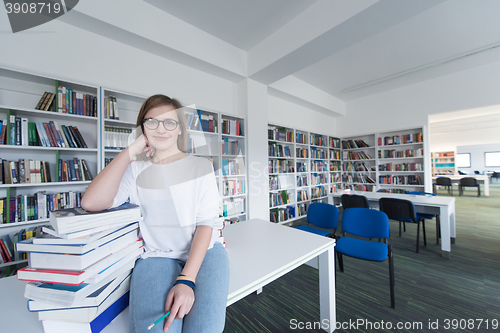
(50, 135)
(80, 137)
(37, 107)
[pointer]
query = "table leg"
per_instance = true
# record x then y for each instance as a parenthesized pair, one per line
(486, 187)
(447, 219)
(327, 289)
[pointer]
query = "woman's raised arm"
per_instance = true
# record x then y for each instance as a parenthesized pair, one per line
(103, 189)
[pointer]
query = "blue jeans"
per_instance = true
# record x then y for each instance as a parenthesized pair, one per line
(153, 278)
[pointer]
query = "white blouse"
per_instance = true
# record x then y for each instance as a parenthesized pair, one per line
(174, 198)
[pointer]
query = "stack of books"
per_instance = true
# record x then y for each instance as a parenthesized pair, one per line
(80, 267)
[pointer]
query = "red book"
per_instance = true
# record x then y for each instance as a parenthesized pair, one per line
(211, 125)
(5, 253)
(2, 134)
(85, 113)
(77, 169)
(64, 172)
(50, 135)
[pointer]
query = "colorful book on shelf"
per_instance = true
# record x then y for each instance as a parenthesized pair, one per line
(76, 219)
(68, 136)
(4, 252)
(3, 132)
(92, 274)
(40, 102)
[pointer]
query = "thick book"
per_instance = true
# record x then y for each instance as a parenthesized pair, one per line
(68, 137)
(79, 262)
(3, 132)
(86, 171)
(93, 274)
(77, 219)
(28, 245)
(66, 295)
(42, 99)
(78, 237)
(96, 326)
(94, 299)
(87, 314)
(49, 102)
(79, 137)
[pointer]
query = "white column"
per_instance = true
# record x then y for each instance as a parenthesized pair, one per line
(252, 97)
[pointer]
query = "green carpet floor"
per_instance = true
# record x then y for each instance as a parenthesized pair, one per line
(429, 289)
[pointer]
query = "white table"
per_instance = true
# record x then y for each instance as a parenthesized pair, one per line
(442, 206)
(483, 179)
(259, 252)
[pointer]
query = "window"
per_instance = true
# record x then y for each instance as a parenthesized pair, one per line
(463, 160)
(492, 159)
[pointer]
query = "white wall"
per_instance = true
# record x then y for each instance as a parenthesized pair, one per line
(410, 105)
(477, 157)
(465, 137)
(285, 113)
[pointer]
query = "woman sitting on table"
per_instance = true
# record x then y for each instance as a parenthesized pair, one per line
(183, 270)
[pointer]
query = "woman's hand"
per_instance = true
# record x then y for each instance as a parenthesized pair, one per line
(141, 144)
(179, 302)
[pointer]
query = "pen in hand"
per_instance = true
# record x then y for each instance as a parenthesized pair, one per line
(160, 319)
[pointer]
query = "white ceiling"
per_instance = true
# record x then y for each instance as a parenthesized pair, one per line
(364, 46)
(240, 23)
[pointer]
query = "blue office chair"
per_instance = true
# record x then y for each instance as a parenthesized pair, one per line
(443, 181)
(402, 211)
(468, 182)
(429, 216)
(321, 215)
(366, 223)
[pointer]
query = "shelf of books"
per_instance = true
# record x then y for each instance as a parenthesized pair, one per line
(401, 161)
(319, 164)
(229, 132)
(49, 144)
(299, 171)
(118, 122)
(359, 163)
(443, 163)
(335, 164)
(283, 195)
(303, 172)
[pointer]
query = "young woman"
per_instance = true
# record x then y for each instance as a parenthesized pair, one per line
(183, 270)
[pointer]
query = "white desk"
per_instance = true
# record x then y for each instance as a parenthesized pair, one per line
(443, 206)
(483, 179)
(259, 253)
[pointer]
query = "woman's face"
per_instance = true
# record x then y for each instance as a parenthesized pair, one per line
(161, 138)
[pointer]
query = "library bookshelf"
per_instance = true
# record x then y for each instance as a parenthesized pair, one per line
(359, 163)
(51, 181)
(303, 168)
(106, 129)
(402, 163)
(443, 163)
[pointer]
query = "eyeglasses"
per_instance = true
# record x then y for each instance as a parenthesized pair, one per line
(152, 123)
